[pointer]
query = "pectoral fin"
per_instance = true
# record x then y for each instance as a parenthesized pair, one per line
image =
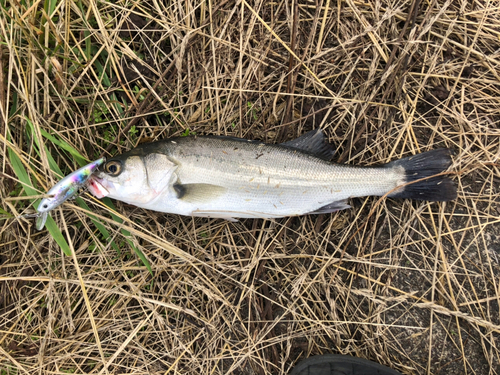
(198, 193)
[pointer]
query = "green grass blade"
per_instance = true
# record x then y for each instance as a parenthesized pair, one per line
(4, 215)
(51, 226)
(127, 236)
(138, 252)
(52, 163)
(65, 146)
(13, 108)
(21, 173)
(50, 6)
(103, 76)
(102, 229)
(23, 176)
(56, 234)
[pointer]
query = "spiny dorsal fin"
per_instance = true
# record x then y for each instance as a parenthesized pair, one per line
(313, 142)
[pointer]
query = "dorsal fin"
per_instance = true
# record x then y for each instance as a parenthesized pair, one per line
(314, 143)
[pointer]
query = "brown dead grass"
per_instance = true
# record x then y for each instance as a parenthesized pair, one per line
(412, 285)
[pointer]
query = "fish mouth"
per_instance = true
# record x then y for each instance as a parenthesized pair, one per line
(97, 186)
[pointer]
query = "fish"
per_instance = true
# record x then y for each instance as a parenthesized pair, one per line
(231, 178)
(65, 189)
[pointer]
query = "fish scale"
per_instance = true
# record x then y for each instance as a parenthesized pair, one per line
(276, 180)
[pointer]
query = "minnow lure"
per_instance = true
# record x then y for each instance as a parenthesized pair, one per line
(64, 190)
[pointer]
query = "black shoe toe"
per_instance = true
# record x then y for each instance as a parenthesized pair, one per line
(336, 364)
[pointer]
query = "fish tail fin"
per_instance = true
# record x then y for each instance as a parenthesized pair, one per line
(423, 166)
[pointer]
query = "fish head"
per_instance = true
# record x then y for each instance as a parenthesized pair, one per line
(134, 179)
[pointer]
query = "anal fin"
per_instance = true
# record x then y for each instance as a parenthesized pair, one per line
(331, 207)
(231, 215)
(215, 215)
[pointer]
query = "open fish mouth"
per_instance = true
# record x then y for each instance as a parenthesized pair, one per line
(96, 187)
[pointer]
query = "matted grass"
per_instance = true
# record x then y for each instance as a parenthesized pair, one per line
(412, 285)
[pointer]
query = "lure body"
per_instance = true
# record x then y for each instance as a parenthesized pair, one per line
(65, 189)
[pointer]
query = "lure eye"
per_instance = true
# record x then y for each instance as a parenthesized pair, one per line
(45, 205)
(114, 168)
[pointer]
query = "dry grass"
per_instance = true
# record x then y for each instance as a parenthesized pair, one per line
(412, 285)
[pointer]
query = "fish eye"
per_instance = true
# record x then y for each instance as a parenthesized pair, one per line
(113, 167)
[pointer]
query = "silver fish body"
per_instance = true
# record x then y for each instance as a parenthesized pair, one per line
(229, 178)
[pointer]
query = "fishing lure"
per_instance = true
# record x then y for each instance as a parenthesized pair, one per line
(65, 189)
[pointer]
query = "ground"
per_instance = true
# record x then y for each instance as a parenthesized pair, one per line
(108, 287)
